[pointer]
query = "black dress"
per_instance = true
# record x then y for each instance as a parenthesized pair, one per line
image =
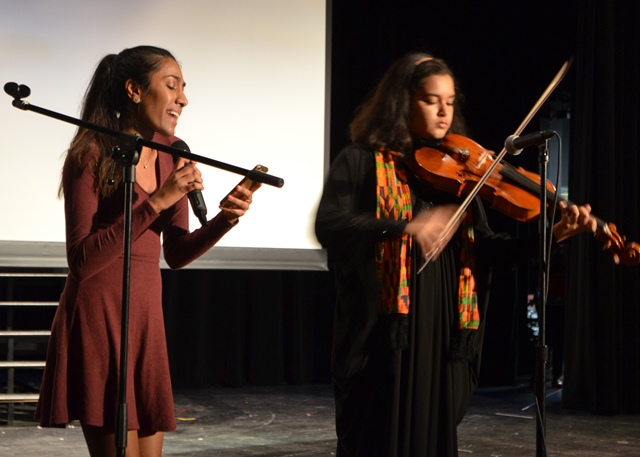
(399, 389)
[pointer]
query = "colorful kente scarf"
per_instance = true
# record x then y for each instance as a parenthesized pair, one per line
(393, 255)
(467, 296)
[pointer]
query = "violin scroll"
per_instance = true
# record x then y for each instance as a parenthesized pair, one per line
(627, 253)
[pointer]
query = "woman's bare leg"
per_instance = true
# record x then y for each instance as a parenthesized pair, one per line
(101, 442)
(150, 443)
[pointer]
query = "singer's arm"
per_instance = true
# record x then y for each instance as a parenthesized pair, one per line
(95, 226)
(180, 246)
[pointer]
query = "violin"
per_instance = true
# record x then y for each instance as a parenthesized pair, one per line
(457, 164)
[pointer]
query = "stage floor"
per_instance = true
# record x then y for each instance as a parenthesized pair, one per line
(298, 421)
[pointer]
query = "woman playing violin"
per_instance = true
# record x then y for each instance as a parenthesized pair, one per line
(407, 346)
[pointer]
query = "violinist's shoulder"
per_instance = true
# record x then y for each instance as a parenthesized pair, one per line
(357, 149)
(354, 153)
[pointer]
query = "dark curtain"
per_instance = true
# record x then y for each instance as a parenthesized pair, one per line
(602, 371)
(245, 327)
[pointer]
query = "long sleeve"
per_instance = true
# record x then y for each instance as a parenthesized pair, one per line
(347, 226)
(95, 226)
(91, 243)
(347, 215)
(181, 247)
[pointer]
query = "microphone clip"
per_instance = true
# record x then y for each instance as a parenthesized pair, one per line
(18, 92)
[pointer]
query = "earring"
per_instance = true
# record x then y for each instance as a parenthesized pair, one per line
(136, 100)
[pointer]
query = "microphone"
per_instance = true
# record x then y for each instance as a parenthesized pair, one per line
(195, 196)
(515, 144)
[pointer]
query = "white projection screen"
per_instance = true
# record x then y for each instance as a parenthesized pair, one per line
(257, 74)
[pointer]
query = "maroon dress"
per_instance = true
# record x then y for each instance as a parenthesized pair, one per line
(81, 377)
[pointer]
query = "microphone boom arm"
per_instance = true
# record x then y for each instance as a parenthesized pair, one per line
(257, 176)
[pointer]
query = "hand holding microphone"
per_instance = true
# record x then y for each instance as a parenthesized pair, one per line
(195, 196)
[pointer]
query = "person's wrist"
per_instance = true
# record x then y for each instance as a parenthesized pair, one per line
(156, 205)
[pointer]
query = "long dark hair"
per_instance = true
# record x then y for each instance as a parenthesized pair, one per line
(383, 120)
(106, 104)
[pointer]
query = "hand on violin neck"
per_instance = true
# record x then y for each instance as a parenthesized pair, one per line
(432, 230)
(574, 219)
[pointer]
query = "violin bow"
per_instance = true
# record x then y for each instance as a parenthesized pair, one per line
(467, 201)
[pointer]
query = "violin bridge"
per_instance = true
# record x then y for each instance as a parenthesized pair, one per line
(482, 159)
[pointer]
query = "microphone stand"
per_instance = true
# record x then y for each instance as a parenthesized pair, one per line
(542, 351)
(128, 153)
